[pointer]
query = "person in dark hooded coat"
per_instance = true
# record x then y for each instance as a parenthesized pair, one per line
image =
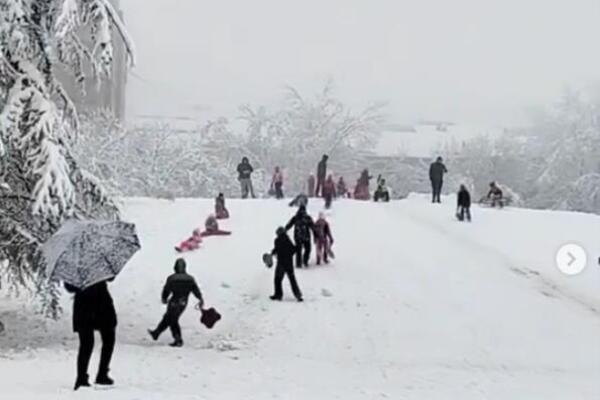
(93, 310)
(436, 175)
(175, 295)
(303, 226)
(321, 175)
(284, 250)
(463, 204)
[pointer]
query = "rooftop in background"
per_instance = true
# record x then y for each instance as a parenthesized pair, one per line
(428, 139)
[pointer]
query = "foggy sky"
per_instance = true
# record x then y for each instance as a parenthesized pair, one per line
(468, 60)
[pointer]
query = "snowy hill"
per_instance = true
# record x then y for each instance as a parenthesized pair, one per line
(416, 306)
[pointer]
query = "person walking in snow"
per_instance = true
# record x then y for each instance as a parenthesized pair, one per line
(381, 193)
(323, 239)
(495, 195)
(329, 191)
(175, 295)
(303, 226)
(93, 310)
(221, 211)
(284, 251)
(342, 189)
(277, 183)
(463, 204)
(321, 175)
(436, 175)
(245, 170)
(311, 186)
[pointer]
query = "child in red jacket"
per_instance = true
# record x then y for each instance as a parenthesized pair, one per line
(191, 243)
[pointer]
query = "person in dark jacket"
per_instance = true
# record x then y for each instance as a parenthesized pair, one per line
(361, 191)
(303, 226)
(284, 250)
(436, 175)
(245, 170)
(341, 188)
(463, 204)
(381, 193)
(323, 239)
(221, 211)
(495, 195)
(93, 310)
(321, 175)
(175, 295)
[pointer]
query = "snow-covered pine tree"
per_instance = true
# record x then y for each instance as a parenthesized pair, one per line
(41, 184)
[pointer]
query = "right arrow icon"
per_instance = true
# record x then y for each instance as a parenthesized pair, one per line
(571, 259)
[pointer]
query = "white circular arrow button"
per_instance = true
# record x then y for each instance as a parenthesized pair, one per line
(571, 259)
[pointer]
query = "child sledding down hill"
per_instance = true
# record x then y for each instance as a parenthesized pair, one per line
(212, 227)
(191, 243)
(221, 211)
(323, 240)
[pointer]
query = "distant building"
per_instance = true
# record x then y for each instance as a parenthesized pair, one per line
(108, 94)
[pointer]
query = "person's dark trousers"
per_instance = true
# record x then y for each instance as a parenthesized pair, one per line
(171, 319)
(328, 200)
(436, 188)
(319, 189)
(280, 272)
(464, 212)
(303, 249)
(279, 190)
(86, 347)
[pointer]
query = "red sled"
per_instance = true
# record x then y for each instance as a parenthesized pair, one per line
(209, 317)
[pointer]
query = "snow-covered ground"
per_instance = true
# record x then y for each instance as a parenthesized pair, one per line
(416, 306)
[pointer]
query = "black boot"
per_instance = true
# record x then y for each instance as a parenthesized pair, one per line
(153, 334)
(177, 343)
(81, 381)
(275, 298)
(104, 379)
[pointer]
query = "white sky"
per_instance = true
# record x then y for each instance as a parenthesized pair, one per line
(464, 60)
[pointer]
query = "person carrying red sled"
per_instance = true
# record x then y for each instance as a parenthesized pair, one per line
(329, 191)
(323, 239)
(221, 211)
(191, 243)
(211, 226)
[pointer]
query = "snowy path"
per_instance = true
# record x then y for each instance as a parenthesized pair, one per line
(416, 306)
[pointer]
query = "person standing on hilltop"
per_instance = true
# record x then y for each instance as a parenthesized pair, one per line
(321, 175)
(436, 175)
(245, 171)
(277, 183)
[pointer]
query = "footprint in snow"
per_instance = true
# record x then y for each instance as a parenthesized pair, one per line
(326, 293)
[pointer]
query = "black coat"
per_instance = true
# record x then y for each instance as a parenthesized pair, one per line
(303, 225)
(437, 171)
(322, 169)
(244, 170)
(284, 249)
(464, 199)
(93, 308)
(178, 288)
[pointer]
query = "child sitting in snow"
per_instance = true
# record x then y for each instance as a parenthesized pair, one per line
(191, 243)
(212, 227)
(323, 239)
(220, 209)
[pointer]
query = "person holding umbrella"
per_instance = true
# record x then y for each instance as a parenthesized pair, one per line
(93, 309)
(85, 255)
(175, 295)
